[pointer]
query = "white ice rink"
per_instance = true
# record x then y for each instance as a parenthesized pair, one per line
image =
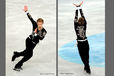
(18, 28)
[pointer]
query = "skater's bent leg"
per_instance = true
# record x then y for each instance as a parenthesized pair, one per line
(17, 54)
(27, 53)
(24, 59)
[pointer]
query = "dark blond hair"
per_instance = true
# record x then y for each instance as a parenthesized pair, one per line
(81, 21)
(40, 20)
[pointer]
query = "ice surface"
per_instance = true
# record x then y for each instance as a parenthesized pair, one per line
(69, 51)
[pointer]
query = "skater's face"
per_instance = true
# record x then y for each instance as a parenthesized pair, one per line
(40, 24)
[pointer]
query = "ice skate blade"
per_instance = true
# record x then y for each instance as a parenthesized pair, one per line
(18, 69)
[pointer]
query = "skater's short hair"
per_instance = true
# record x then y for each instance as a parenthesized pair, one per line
(81, 21)
(40, 20)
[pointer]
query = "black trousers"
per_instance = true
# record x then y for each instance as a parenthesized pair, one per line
(83, 48)
(27, 53)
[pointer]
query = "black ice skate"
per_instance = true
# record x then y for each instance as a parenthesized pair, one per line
(87, 69)
(14, 56)
(18, 69)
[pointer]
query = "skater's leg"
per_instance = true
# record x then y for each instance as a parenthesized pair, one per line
(29, 44)
(81, 51)
(17, 54)
(27, 53)
(24, 59)
(86, 53)
(87, 67)
(83, 48)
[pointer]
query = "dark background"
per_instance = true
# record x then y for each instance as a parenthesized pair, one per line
(2, 38)
(109, 26)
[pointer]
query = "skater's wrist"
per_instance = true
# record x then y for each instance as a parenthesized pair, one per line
(26, 12)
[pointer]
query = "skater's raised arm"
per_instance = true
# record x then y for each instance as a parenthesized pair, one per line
(76, 16)
(81, 12)
(30, 17)
(79, 7)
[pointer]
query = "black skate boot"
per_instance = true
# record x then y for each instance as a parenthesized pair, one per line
(14, 55)
(87, 69)
(18, 66)
(17, 69)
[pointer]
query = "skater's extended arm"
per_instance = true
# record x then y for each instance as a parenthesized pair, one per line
(30, 17)
(76, 16)
(76, 19)
(79, 7)
(32, 20)
(76, 13)
(81, 12)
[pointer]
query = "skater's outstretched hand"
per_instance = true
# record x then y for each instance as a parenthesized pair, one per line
(25, 8)
(81, 3)
(78, 5)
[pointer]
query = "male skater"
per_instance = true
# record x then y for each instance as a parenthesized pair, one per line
(80, 26)
(38, 33)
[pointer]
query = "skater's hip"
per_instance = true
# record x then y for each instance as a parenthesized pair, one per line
(83, 43)
(82, 40)
(33, 40)
(30, 44)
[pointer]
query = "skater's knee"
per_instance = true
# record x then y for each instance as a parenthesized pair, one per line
(15, 52)
(26, 58)
(29, 56)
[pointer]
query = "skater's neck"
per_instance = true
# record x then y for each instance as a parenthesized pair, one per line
(40, 28)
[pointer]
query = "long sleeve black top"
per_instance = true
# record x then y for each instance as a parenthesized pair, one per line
(80, 29)
(39, 35)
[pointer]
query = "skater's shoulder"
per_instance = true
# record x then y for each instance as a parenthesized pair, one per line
(44, 30)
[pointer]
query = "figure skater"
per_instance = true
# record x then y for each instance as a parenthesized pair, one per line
(38, 33)
(80, 26)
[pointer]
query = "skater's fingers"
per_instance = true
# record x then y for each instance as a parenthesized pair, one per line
(75, 4)
(81, 3)
(25, 8)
